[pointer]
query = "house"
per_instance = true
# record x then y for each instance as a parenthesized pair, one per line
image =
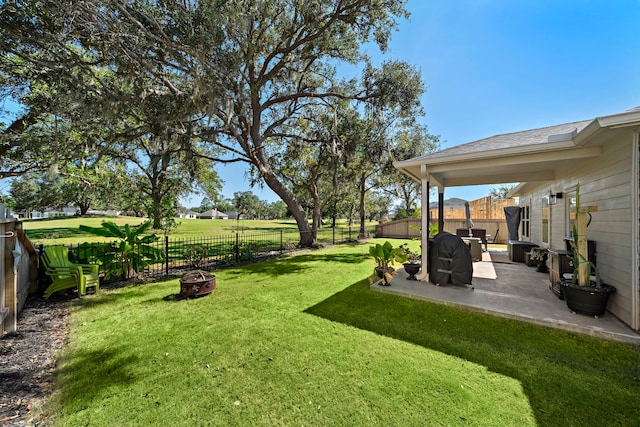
(188, 215)
(52, 213)
(106, 212)
(232, 214)
(601, 154)
(213, 214)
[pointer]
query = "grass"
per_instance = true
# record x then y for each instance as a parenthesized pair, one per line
(65, 230)
(302, 341)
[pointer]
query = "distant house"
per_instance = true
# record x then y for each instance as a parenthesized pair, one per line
(213, 214)
(189, 215)
(52, 213)
(232, 215)
(108, 212)
(452, 202)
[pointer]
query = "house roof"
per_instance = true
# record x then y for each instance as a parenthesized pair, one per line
(530, 155)
(453, 201)
(512, 140)
(213, 213)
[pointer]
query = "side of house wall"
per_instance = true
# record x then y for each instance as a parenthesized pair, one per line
(607, 183)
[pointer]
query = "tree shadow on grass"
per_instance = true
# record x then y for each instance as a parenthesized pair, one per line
(569, 379)
(55, 233)
(84, 375)
(297, 263)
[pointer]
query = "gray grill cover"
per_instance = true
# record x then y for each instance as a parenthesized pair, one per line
(449, 260)
(512, 215)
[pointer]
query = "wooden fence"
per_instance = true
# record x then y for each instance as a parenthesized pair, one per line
(18, 271)
(484, 208)
(486, 213)
(409, 228)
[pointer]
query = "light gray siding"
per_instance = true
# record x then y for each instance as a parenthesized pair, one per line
(605, 182)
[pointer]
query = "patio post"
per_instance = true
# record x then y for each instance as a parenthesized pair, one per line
(423, 276)
(440, 210)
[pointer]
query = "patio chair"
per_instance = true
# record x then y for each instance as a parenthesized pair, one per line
(494, 238)
(481, 233)
(65, 275)
(462, 232)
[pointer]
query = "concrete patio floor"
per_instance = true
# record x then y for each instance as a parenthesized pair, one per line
(514, 291)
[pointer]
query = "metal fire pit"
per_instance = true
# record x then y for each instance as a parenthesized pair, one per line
(196, 284)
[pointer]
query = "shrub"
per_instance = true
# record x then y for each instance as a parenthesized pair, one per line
(195, 254)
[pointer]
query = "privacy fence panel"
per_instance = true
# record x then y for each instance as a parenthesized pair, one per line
(19, 259)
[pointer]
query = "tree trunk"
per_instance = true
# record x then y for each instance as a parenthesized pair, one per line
(351, 209)
(317, 213)
(363, 191)
(307, 237)
(83, 207)
(260, 160)
(407, 199)
(156, 209)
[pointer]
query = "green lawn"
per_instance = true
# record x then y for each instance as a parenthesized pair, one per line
(65, 230)
(302, 341)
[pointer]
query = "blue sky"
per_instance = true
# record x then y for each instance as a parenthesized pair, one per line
(500, 66)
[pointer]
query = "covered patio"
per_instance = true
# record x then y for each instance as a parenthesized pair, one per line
(600, 154)
(512, 290)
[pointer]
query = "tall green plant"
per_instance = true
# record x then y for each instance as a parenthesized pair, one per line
(580, 256)
(129, 254)
(385, 255)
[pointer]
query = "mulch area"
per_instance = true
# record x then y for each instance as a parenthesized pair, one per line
(27, 360)
(27, 356)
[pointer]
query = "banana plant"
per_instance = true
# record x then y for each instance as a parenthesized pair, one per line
(384, 255)
(130, 253)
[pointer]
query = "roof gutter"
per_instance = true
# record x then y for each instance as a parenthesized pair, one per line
(503, 152)
(614, 121)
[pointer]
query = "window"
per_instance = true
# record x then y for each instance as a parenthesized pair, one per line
(545, 219)
(525, 220)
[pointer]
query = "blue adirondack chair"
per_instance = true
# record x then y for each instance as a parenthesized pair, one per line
(65, 275)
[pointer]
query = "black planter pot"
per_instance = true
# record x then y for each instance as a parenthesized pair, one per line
(542, 268)
(412, 269)
(586, 299)
(556, 288)
(381, 270)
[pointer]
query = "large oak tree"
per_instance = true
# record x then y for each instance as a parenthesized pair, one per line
(242, 72)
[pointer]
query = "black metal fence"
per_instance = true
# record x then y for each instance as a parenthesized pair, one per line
(206, 252)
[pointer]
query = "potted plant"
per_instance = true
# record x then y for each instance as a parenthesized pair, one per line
(385, 255)
(584, 292)
(413, 263)
(538, 259)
